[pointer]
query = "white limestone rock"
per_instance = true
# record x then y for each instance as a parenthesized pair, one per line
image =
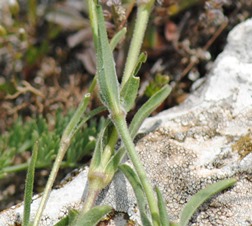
(205, 139)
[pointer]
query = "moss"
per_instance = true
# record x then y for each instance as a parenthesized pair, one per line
(243, 146)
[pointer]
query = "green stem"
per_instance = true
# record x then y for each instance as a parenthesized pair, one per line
(97, 177)
(123, 131)
(143, 14)
(64, 144)
(93, 20)
(62, 150)
(90, 199)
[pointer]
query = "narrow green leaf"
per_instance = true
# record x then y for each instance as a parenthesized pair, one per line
(129, 93)
(114, 162)
(85, 118)
(148, 107)
(136, 185)
(164, 218)
(200, 197)
(68, 219)
(93, 216)
(75, 120)
(141, 59)
(29, 185)
(130, 90)
(96, 159)
(117, 38)
(106, 73)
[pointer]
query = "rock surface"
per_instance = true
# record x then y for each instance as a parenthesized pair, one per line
(203, 140)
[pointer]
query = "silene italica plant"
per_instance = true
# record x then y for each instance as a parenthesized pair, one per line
(118, 99)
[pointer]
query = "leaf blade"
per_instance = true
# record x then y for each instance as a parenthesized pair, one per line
(200, 197)
(75, 120)
(29, 185)
(136, 185)
(68, 219)
(141, 59)
(117, 38)
(129, 93)
(97, 155)
(93, 216)
(106, 73)
(147, 108)
(164, 218)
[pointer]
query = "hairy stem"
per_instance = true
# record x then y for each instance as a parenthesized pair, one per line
(67, 136)
(90, 200)
(63, 148)
(123, 131)
(93, 20)
(143, 14)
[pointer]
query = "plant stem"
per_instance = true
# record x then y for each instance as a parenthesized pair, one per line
(98, 177)
(123, 131)
(143, 13)
(64, 144)
(62, 150)
(92, 194)
(93, 21)
(90, 199)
